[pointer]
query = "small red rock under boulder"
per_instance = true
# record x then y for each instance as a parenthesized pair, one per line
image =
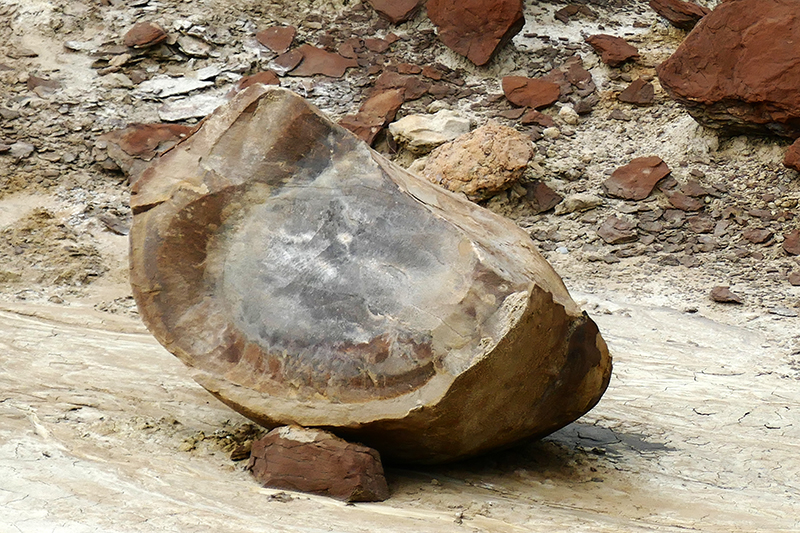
(476, 29)
(792, 158)
(636, 180)
(614, 51)
(318, 462)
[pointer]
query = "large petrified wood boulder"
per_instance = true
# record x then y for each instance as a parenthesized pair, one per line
(307, 280)
(737, 71)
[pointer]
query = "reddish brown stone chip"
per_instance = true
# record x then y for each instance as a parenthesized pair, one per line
(791, 242)
(722, 294)
(476, 28)
(144, 34)
(794, 279)
(289, 60)
(378, 46)
(757, 235)
(379, 110)
(792, 158)
(683, 15)
(639, 92)
(614, 51)
(266, 77)
(535, 117)
(396, 10)
(617, 231)
(530, 92)
(413, 87)
(637, 179)
(684, 202)
(318, 462)
(318, 61)
(278, 38)
(541, 197)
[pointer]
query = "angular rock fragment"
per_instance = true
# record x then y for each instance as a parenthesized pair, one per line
(617, 231)
(277, 38)
(480, 163)
(396, 11)
(318, 462)
(476, 29)
(737, 71)
(286, 62)
(578, 203)
(792, 157)
(639, 92)
(541, 197)
(379, 110)
(267, 77)
(318, 61)
(613, 51)
(422, 133)
(637, 179)
(683, 15)
(791, 242)
(535, 117)
(307, 280)
(757, 235)
(133, 147)
(530, 92)
(794, 279)
(722, 294)
(413, 87)
(144, 34)
(684, 202)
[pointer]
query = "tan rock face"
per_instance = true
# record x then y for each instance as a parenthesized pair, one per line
(481, 163)
(737, 71)
(307, 280)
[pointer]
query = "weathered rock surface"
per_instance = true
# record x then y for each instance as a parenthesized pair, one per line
(530, 92)
(476, 29)
(480, 163)
(791, 242)
(723, 294)
(637, 179)
(683, 15)
(792, 157)
(307, 280)
(614, 51)
(378, 111)
(396, 10)
(639, 92)
(133, 147)
(737, 71)
(318, 462)
(318, 61)
(277, 38)
(422, 133)
(617, 231)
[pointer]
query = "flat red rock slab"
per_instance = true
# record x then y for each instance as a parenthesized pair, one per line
(792, 158)
(637, 179)
(476, 29)
(318, 61)
(791, 243)
(413, 87)
(639, 92)
(614, 51)
(737, 70)
(318, 462)
(535, 117)
(530, 92)
(144, 34)
(721, 294)
(379, 110)
(683, 15)
(396, 10)
(757, 235)
(617, 231)
(684, 202)
(267, 77)
(278, 38)
(143, 140)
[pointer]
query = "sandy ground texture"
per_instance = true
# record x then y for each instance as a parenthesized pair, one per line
(101, 430)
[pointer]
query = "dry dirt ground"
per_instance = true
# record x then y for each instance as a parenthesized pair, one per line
(101, 430)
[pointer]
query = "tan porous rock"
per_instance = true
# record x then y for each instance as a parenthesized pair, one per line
(482, 162)
(305, 279)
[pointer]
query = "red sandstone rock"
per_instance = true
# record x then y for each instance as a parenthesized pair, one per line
(541, 197)
(683, 15)
(684, 202)
(614, 51)
(791, 242)
(476, 28)
(379, 110)
(617, 231)
(145, 34)
(637, 179)
(413, 87)
(722, 294)
(757, 235)
(396, 10)
(794, 279)
(737, 71)
(278, 38)
(792, 158)
(535, 117)
(639, 92)
(318, 61)
(288, 61)
(530, 92)
(318, 462)
(133, 147)
(267, 77)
